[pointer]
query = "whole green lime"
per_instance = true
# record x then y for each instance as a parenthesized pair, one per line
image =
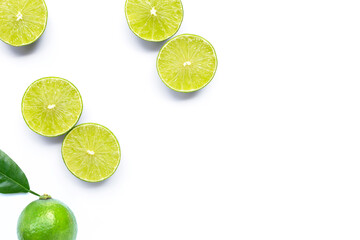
(47, 219)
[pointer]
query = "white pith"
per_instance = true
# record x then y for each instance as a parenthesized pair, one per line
(90, 152)
(187, 63)
(51, 106)
(153, 11)
(19, 16)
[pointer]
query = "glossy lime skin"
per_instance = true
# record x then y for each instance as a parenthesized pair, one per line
(47, 220)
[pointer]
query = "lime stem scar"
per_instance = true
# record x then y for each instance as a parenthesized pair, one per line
(45, 197)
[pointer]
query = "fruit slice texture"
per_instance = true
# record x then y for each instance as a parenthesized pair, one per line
(154, 20)
(22, 21)
(47, 219)
(187, 63)
(51, 106)
(91, 152)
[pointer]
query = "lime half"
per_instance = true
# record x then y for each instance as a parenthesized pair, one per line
(51, 106)
(22, 21)
(154, 20)
(187, 63)
(91, 152)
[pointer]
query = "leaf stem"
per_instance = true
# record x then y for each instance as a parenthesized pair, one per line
(34, 193)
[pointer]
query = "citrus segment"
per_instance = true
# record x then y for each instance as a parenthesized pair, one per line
(22, 21)
(187, 63)
(91, 152)
(51, 106)
(154, 20)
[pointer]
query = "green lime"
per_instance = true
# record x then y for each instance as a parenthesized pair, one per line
(91, 152)
(22, 21)
(47, 219)
(154, 20)
(51, 106)
(187, 63)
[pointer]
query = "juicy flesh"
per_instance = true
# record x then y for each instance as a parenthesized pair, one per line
(91, 152)
(154, 20)
(51, 106)
(187, 63)
(22, 21)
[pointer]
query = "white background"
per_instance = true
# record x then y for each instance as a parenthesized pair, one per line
(268, 150)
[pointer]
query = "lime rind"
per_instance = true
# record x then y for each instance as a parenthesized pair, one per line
(61, 132)
(6, 38)
(187, 90)
(153, 38)
(72, 170)
(47, 219)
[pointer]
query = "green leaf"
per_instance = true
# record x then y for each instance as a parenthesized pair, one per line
(12, 178)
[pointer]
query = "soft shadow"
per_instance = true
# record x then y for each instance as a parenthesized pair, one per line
(150, 46)
(90, 185)
(12, 195)
(182, 96)
(51, 140)
(25, 50)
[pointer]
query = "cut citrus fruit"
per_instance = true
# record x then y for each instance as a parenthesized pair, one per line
(91, 152)
(187, 63)
(22, 21)
(154, 20)
(51, 106)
